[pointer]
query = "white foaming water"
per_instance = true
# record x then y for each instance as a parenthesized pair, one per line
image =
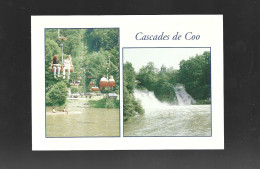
(162, 119)
(182, 96)
(148, 100)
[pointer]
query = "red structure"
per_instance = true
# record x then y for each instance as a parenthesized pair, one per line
(111, 82)
(94, 89)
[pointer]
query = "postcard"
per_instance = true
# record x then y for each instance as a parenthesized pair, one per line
(149, 82)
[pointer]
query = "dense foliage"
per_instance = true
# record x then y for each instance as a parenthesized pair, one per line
(78, 89)
(51, 49)
(90, 49)
(57, 95)
(112, 103)
(131, 105)
(147, 76)
(129, 77)
(194, 74)
(163, 88)
(101, 39)
(104, 103)
(103, 53)
(161, 82)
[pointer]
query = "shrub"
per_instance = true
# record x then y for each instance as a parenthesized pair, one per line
(104, 103)
(110, 103)
(74, 89)
(131, 106)
(97, 103)
(57, 95)
(138, 107)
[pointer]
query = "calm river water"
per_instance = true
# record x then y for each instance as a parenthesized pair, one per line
(90, 122)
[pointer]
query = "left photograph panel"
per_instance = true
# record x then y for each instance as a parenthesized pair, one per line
(82, 82)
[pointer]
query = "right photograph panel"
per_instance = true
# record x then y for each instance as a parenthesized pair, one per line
(167, 92)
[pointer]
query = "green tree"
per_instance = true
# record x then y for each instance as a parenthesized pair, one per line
(131, 105)
(163, 89)
(102, 45)
(129, 76)
(101, 39)
(147, 76)
(97, 44)
(76, 89)
(51, 49)
(73, 44)
(97, 64)
(110, 103)
(57, 95)
(195, 75)
(51, 34)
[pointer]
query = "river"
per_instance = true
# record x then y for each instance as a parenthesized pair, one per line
(86, 122)
(162, 119)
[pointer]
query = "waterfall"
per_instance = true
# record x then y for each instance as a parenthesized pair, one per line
(148, 100)
(182, 96)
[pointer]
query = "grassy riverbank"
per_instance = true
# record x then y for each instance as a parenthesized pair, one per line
(104, 103)
(94, 102)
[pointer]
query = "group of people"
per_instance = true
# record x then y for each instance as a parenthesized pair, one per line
(57, 66)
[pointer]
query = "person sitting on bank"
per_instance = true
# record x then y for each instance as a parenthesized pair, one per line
(53, 110)
(67, 63)
(56, 65)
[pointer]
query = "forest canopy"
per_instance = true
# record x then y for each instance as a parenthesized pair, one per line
(194, 74)
(94, 52)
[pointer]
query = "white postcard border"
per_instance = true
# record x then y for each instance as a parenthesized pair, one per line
(210, 29)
